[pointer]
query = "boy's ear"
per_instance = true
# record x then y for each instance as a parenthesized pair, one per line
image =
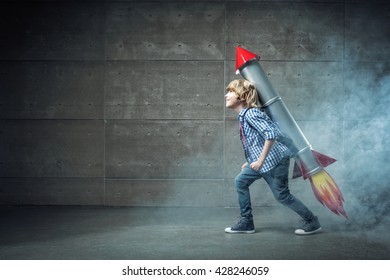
(242, 98)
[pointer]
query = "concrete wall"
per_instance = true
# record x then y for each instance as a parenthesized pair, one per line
(122, 102)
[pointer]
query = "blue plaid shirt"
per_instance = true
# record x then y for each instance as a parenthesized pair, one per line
(255, 128)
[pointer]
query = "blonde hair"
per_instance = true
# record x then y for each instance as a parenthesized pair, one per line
(245, 91)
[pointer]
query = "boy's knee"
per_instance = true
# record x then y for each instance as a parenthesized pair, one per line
(240, 182)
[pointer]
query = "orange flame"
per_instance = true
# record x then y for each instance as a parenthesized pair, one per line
(327, 192)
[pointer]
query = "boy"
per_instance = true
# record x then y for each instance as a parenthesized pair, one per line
(266, 158)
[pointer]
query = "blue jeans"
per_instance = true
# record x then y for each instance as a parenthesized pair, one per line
(277, 179)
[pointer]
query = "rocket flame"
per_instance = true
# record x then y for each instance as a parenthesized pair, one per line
(327, 192)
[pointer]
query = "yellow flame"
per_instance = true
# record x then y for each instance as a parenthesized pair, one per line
(327, 192)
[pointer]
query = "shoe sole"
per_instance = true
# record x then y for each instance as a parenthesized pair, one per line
(301, 232)
(229, 230)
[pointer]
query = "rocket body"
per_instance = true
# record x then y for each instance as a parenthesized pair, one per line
(308, 163)
(277, 110)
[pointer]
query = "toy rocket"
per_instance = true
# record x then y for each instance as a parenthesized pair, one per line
(308, 163)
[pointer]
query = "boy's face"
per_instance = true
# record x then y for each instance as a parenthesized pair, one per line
(232, 100)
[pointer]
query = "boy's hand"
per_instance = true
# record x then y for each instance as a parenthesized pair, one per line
(256, 165)
(243, 166)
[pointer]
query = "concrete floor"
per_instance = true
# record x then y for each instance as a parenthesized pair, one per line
(123, 233)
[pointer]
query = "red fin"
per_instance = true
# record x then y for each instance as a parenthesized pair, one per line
(297, 171)
(304, 171)
(324, 160)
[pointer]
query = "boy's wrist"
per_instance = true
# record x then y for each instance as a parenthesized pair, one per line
(260, 160)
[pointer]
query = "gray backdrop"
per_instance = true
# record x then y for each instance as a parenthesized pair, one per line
(121, 103)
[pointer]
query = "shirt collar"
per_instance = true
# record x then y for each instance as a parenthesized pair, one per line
(242, 113)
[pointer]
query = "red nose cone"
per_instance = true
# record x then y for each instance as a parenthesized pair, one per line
(242, 56)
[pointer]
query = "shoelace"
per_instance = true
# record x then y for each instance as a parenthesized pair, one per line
(240, 222)
(305, 225)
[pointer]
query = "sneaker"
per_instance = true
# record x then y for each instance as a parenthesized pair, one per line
(244, 225)
(309, 227)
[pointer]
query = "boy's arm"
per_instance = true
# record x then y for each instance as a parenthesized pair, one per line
(256, 165)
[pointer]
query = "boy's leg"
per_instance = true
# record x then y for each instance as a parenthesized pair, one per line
(242, 182)
(277, 179)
